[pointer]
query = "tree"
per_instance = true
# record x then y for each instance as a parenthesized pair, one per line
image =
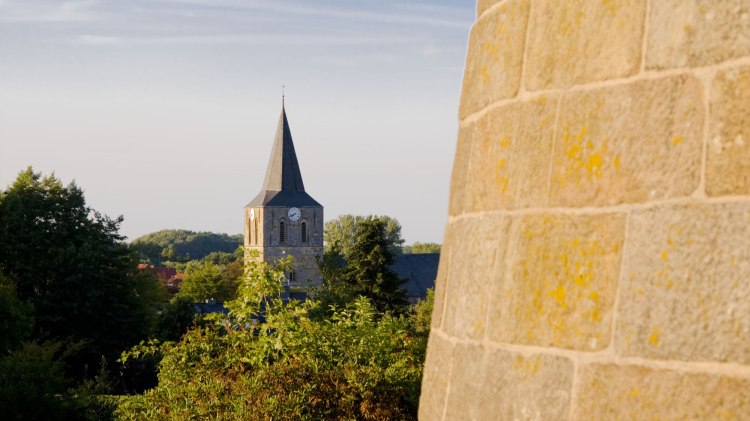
(69, 262)
(357, 364)
(363, 268)
(205, 279)
(169, 253)
(16, 320)
(368, 266)
(181, 245)
(422, 248)
(175, 319)
(33, 384)
(343, 232)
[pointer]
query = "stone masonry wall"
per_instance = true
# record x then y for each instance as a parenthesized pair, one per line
(596, 263)
(270, 249)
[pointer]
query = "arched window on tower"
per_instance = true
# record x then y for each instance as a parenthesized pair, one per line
(303, 232)
(255, 232)
(282, 232)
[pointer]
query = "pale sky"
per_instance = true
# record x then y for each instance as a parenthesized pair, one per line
(164, 111)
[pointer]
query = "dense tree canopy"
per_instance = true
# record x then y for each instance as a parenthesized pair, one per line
(16, 320)
(183, 245)
(71, 300)
(175, 319)
(69, 262)
(271, 360)
(206, 280)
(342, 232)
(363, 268)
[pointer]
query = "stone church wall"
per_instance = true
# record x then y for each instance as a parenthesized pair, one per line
(271, 250)
(596, 262)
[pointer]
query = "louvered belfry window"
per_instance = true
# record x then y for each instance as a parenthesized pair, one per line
(303, 234)
(282, 232)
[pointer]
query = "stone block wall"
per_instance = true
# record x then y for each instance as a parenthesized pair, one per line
(270, 249)
(596, 262)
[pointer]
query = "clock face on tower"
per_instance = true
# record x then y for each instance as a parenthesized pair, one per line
(294, 214)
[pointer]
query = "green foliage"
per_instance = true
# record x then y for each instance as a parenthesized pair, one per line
(363, 269)
(275, 361)
(420, 322)
(260, 285)
(422, 248)
(69, 263)
(210, 278)
(33, 384)
(222, 258)
(203, 281)
(175, 319)
(93, 397)
(183, 245)
(16, 320)
(342, 232)
(334, 292)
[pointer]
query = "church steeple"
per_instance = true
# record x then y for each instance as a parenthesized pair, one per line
(283, 171)
(283, 184)
(283, 220)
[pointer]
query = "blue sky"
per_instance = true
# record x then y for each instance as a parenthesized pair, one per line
(164, 111)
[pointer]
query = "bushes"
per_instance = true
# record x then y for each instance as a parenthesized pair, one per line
(355, 364)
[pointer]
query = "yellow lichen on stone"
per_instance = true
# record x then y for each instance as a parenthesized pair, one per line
(489, 383)
(584, 156)
(485, 75)
(493, 64)
(612, 392)
(687, 33)
(563, 282)
(460, 170)
(617, 145)
(547, 308)
(690, 305)
(467, 302)
(509, 162)
(559, 295)
(562, 51)
(728, 161)
(655, 336)
(502, 180)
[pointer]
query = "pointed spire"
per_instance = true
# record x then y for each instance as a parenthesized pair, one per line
(283, 171)
(283, 183)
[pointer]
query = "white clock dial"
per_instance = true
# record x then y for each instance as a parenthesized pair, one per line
(294, 214)
(252, 214)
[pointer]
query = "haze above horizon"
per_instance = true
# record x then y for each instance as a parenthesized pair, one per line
(164, 111)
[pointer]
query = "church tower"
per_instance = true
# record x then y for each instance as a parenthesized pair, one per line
(283, 219)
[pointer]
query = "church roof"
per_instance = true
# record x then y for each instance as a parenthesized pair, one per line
(419, 270)
(283, 184)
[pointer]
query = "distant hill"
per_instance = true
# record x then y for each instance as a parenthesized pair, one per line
(183, 245)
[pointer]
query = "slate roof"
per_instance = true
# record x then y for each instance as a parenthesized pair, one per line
(283, 183)
(420, 271)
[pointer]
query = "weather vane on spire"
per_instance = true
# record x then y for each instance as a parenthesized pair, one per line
(283, 94)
